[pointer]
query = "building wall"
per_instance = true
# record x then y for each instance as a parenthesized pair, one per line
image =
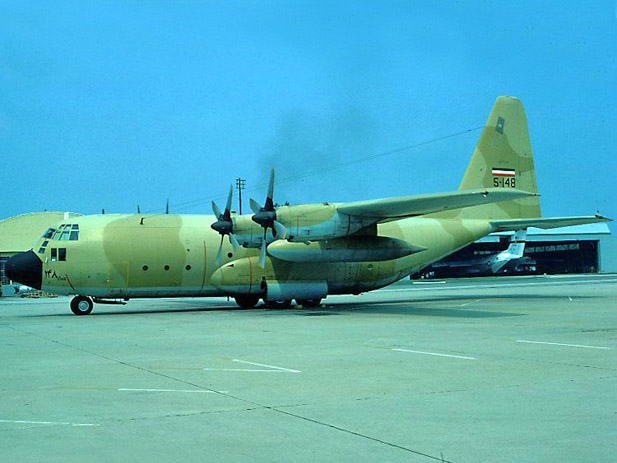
(608, 254)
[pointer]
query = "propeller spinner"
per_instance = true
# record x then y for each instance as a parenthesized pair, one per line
(224, 225)
(266, 217)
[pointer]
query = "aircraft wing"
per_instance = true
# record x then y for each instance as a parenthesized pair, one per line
(382, 210)
(545, 222)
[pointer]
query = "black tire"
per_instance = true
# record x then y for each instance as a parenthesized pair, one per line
(285, 304)
(309, 302)
(81, 305)
(247, 302)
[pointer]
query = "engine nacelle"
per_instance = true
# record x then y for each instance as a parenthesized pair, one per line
(302, 223)
(245, 277)
(349, 249)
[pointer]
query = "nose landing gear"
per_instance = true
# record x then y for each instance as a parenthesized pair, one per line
(81, 305)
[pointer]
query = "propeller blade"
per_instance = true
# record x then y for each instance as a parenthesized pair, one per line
(216, 210)
(262, 254)
(234, 242)
(219, 254)
(228, 205)
(271, 184)
(255, 207)
(280, 231)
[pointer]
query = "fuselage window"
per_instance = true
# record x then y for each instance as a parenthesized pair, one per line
(166, 267)
(65, 235)
(54, 254)
(41, 250)
(45, 243)
(75, 226)
(61, 254)
(57, 234)
(74, 236)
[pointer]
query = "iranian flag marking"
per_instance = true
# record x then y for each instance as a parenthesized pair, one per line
(501, 172)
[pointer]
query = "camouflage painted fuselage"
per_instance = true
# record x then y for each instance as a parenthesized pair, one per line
(123, 256)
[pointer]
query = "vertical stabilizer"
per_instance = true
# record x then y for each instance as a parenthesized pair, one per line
(503, 159)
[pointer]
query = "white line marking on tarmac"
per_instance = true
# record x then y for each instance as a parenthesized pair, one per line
(434, 353)
(267, 366)
(249, 370)
(270, 368)
(127, 389)
(560, 344)
(469, 303)
(502, 285)
(62, 423)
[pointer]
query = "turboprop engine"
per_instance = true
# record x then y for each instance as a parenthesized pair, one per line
(246, 277)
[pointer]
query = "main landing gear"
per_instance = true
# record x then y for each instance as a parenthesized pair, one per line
(248, 302)
(81, 305)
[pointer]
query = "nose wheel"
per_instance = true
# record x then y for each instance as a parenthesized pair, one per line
(81, 305)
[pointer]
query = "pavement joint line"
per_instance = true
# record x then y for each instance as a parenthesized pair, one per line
(562, 344)
(436, 354)
(235, 397)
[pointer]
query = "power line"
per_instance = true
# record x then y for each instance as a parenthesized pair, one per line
(195, 202)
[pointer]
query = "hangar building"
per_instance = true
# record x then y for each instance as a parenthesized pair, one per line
(19, 233)
(587, 248)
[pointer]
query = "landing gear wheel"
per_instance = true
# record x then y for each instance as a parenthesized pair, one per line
(284, 304)
(81, 305)
(309, 302)
(247, 302)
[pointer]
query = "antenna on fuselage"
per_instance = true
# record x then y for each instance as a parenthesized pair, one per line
(102, 211)
(167, 207)
(138, 209)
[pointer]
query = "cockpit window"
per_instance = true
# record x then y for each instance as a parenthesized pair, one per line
(48, 234)
(65, 232)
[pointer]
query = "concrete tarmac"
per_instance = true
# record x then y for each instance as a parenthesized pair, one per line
(476, 370)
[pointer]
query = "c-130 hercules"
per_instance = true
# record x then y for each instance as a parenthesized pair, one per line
(302, 252)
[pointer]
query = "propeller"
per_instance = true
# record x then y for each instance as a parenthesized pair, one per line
(266, 217)
(224, 225)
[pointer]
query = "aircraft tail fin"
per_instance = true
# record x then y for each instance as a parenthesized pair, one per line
(503, 159)
(517, 245)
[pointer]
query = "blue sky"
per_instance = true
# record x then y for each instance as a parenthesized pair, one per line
(113, 104)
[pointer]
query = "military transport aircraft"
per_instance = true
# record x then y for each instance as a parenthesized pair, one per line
(302, 252)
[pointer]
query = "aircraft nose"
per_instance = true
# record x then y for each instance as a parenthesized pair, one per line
(25, 268)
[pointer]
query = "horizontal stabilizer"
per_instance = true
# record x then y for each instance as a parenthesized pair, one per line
(410, 206)
(546, 222)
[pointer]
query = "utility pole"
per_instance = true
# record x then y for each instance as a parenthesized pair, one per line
(240, 182)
